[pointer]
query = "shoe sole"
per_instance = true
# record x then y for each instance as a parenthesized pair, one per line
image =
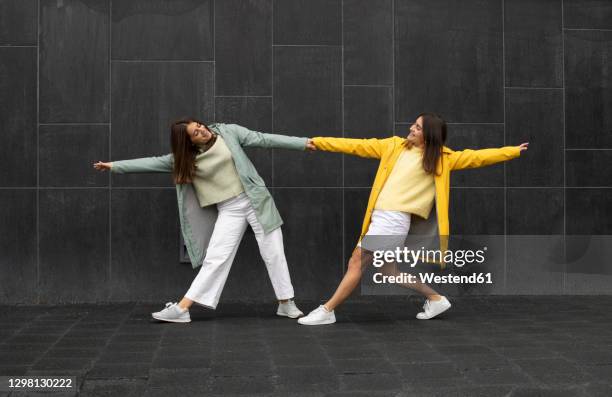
(326, 322)
(286, 315)
(449, 306)
(170, 321)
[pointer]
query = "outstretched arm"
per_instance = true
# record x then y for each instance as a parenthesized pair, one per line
(480, 158)
(370, 148)
(248, 138)
(144, 164)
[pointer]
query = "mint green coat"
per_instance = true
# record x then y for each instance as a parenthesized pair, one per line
(197, 222)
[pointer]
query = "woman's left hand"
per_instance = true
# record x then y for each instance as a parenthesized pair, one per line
(523, 146)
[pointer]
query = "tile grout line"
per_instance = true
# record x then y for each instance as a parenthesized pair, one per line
(181, 243)
(38, 11)
(532, 88)
(393, 66)
(290, 187)
(52, 346)
(343, 135)
(563, 279)
(110, 128)
(156, 352)
(159, 61)
(587, 149)
(76, 124)
(272, 88)
(368, 85)
(243, 96)
(305, 45)
(109, 338)
(80, 187)
(505, 288)
(449, 123)
(214, 63)
(584, 29)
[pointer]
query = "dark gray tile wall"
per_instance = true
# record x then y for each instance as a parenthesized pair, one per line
(368, 52)
(477, 211)
(177, 30)
(535, 116)
(355, 204)
(307, 101)
(588, 14)
(467, 136)
(313, 249)
(145, 246)
(588, 89)
(243, 67)
(535, 242)
(368, 112)
(18, 246)
(150, 96)
(74, 245)
(18, 20)
(308, 22)
(533, 43)
(18, 116)
(87, 80)
(455, 65)
(534, 211)
(589, 211)
(584, 168)
(65, 154)
(74, 51)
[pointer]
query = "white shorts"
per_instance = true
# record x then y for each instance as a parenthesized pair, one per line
(387, 230)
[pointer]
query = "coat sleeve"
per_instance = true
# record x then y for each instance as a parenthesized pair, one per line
(369, 148)
(248, 138)
(144, 164)
(469, 158)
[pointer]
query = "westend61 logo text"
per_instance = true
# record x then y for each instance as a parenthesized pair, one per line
(459, 257)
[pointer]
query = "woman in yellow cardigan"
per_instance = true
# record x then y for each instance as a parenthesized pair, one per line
(414, 173)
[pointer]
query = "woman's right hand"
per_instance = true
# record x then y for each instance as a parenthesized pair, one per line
(310, 145)
(103, 166)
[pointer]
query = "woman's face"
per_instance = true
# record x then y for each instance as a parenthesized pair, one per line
(416, 132)
(198, 133)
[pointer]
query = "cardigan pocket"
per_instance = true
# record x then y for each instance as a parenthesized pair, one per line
(256, 181)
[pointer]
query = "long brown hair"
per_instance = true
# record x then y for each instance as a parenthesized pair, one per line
(184, 150)
(434, 137)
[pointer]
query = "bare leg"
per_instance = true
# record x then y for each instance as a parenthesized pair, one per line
(358, 261)
(185, 303)
(350, 280)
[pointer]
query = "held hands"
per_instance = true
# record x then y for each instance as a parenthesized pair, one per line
(523, 146)
(310, 145)
(103, 166)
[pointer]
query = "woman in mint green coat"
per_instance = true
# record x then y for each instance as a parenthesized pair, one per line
(219, 194)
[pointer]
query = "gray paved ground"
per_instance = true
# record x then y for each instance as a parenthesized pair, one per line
(494, 346)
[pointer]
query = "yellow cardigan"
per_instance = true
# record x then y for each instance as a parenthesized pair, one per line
(389, 149)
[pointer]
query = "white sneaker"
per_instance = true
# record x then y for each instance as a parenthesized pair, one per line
(432, 308)
(318, 316)
(288, 309)
(173, 314)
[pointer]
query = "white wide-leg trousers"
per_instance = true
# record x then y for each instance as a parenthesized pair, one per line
(234, 216)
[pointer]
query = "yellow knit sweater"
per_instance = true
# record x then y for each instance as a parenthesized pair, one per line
(409, 188)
